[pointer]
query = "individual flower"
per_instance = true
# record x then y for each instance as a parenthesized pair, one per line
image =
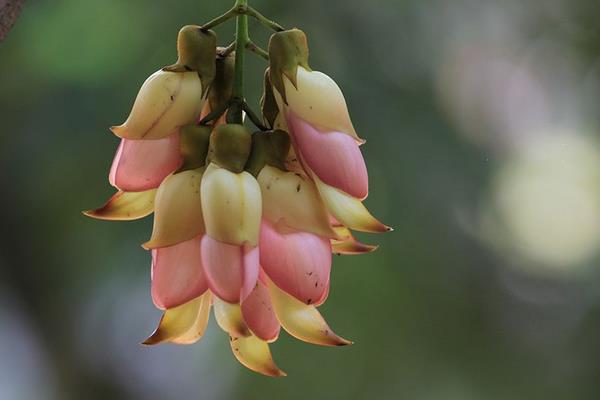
(313, 110)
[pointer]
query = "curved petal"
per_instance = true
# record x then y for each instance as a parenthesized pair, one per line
(231, 270)
(125, 206)
(184, 324)
(348, 210)
(229, 318)
(333, 156)
(165, 102)
(232, 205)
(293, 200)
(254, 354)
(302, 321)
(177, 274)
(178, 210)
(348, 245)
(258, 313)
(143, 164)
(298, 262)
(319, 100)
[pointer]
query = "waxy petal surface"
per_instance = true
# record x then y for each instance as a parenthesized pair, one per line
(184, 324)
(302, 321)
(348, 210)
(258, 313)
(141, 165)
(166, 101)
(177, 210)
(298, 262)
(231, 270)
(229, 318)
(254, 354)
(125, 206)
(333, 156)
(177, 274)
(348, 245)
(293, 200)
(232, 206)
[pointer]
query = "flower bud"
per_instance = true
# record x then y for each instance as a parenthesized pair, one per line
(221, 88)
(230, 146)
(287, 51)
(196, 51)
(194, 141)
(231, 205)
(166, 101)
(268, 148)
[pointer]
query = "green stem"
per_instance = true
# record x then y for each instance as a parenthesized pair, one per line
(241, 38)
(220, 19)
(256, 49)
(264, 20)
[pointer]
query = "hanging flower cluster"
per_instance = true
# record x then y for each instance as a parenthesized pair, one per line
(244, 223)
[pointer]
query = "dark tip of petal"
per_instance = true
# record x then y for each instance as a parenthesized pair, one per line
(154, 339)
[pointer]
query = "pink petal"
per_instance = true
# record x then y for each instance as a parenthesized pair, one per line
(333, 156)
(297, 262)
(143, 164)
(231, 270)
(177, 274)
(259, 315)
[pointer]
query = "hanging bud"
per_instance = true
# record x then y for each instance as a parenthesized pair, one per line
(268, 148)
(268, 103)
(196, 51)
(230, 146)
(165, 102)
(194, 141)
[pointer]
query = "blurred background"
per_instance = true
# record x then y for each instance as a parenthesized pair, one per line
(483, 150)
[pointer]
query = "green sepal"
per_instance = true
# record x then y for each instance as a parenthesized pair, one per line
(268, 148)
(230, 146)
(196, 51)
(268, 104)
(222, 86)
(193, 146)
(287, 51)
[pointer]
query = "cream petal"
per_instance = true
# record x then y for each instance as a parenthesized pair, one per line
(348, 245)
(302, 321)
(348, 210)
(258, 313)
(177, 274)
(178, 210)
(125, 206)
(318, 100)
(293, 200)
(232, 205)
(165, 102)
(143, 164)
(184, 324)
(254, 354)
(229, 318)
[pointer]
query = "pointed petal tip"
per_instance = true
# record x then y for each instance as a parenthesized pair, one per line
(154, 339)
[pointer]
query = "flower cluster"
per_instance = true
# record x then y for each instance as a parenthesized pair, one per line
(244, 223)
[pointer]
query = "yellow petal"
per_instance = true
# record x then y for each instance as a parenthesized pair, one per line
(165, 102)
(348, 210)
(184, 324)
(348, 245)
(255, 354)
(293, 200)
(319, 101)
(178, 210)
(302, 321)
(232, 205)
(125, 206)
(230, 319)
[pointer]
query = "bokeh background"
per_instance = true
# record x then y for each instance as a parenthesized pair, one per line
(483, 146)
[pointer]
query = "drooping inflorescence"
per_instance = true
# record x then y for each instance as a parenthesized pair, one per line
(244, 223)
